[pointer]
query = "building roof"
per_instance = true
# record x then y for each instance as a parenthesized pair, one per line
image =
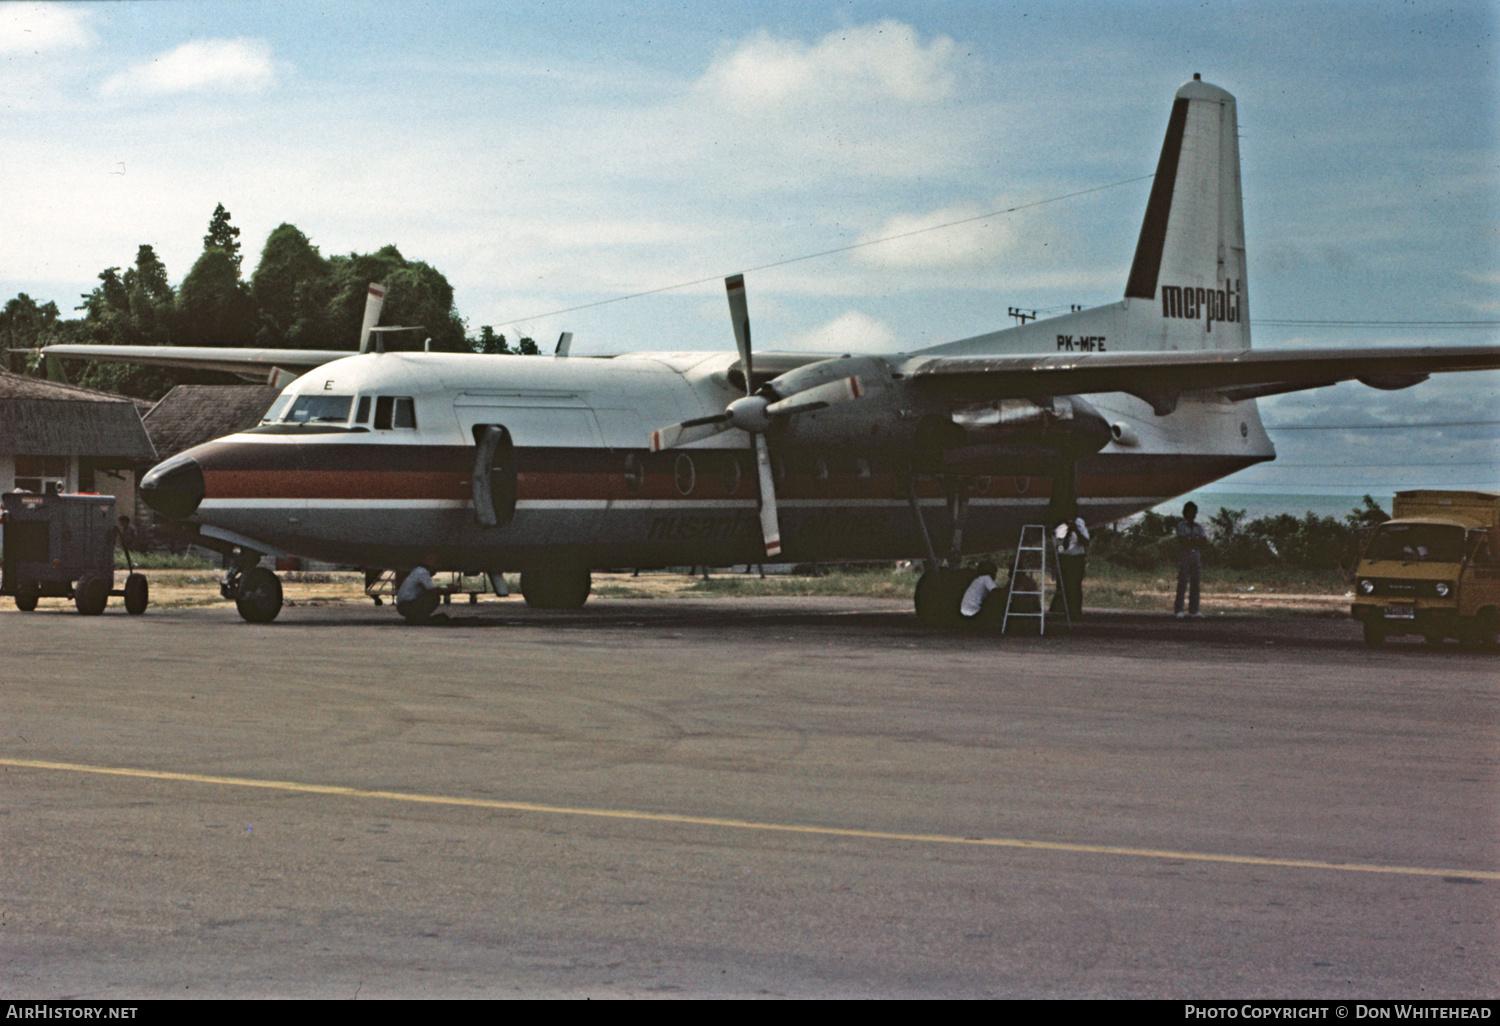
(192, 414)
(45, 418)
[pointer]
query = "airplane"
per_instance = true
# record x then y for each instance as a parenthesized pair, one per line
(556, 467)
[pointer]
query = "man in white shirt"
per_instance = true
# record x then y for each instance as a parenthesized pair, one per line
(978, 592)
(418, 597)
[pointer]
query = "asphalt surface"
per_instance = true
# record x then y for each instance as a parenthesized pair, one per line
(791, 797)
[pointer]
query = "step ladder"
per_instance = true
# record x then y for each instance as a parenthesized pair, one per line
(1031, 558)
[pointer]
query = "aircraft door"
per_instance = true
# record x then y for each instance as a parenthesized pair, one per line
(534, 469)
(494, 476)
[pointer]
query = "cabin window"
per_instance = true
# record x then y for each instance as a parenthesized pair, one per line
(320, 409)
(684, 472)
(395, 411)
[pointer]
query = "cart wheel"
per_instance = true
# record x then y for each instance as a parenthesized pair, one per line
(27, 592)
(91, 594)
(261, 596)
(137, 594)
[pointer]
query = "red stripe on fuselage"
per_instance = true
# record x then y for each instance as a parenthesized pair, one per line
(376, 471)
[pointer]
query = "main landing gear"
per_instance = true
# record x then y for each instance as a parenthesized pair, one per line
(556, 587)
(255, 590)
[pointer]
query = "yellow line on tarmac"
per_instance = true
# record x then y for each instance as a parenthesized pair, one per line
(743, 824)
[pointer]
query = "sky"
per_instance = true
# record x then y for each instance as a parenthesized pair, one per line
(555, 157)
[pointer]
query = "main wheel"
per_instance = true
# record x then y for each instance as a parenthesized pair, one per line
(27, 592)
(137, 594)
(556, 587)
(260, 596)
(939, 595)
(1374, 634)
(91, 594)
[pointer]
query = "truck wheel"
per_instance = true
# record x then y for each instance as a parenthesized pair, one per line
(260, 596)
(137, 594)
(91, 594)
(1374, 634)
(27, 592)
(1480, 633)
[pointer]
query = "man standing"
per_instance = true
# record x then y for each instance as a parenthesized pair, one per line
(1071, 538)
(1190, 536)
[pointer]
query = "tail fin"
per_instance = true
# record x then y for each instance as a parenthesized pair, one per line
(1188, 287)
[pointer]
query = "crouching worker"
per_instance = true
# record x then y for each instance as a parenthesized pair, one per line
(418, 597)
(980, 605)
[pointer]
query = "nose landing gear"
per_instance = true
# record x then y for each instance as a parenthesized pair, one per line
(255, 590)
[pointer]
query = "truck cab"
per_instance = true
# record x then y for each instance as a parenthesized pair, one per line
(1433, 569)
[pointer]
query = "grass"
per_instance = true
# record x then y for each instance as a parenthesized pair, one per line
(1106, 586)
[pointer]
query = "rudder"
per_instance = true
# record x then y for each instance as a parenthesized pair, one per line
(1188, 287)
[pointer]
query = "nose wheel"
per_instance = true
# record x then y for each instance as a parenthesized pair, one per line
(256, 593)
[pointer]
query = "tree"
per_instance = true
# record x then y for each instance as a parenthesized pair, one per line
(291, 291)
(212, 307)
(489, 343)
(223, 235)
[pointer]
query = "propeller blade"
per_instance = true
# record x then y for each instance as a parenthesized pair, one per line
(373, 302)
(819, 397)
(770, 526)
(688, 431)
(739, 313)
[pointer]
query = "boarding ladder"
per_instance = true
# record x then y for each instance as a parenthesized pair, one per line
(1031, 559)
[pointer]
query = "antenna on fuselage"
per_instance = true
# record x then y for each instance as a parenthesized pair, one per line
(564, 343)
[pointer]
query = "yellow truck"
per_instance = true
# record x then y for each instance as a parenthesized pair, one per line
(1433, 569)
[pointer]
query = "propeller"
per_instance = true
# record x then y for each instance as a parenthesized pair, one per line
(799, 391)
(373, 302)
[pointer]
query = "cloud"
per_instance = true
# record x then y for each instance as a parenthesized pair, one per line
(913, 242)
(883, 61)
(850, 332)
(228, 65)
(36, 27)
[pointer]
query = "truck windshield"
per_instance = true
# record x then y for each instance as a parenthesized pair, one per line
(1417, 543)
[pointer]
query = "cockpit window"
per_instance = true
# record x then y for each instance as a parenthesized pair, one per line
(319, 409)
(274, 413)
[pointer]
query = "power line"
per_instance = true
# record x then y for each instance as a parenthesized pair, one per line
(831, 252)
(1264, 322)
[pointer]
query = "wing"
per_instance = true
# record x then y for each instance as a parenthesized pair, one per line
(251, 364)
(1160, 378)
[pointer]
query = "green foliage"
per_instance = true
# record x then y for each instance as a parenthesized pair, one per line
(1308, 542)
(291, 287)
(213, 306)
(489, 343)
(223, 235)
(496, 345)
(295, 299)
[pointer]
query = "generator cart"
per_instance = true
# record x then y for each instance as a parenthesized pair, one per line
(64, 546)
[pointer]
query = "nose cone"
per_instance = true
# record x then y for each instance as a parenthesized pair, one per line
(174, 488)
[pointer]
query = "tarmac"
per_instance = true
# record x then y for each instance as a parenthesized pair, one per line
(807, 797)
